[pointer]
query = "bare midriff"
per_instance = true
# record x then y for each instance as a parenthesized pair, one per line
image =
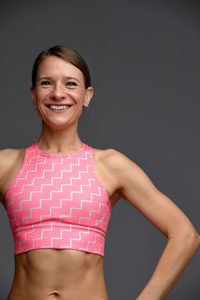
(48, 274)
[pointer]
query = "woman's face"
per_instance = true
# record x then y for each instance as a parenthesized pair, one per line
(60, 92)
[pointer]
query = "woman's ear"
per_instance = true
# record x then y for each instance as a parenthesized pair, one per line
(88, 96)
(33, 97)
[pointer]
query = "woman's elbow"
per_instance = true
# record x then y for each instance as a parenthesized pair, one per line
(191, 238)
(186, 235)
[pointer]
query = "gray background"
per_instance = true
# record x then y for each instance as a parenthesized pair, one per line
(144, 61)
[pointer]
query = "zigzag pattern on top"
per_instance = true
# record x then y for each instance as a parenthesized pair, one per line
(56, 201)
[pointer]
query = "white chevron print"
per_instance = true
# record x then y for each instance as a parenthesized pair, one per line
(22, 179)
(56, 201)
(34, 179)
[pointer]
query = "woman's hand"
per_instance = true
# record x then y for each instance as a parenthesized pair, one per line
(135, 186)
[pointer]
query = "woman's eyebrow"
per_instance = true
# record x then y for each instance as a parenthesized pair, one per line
(44, 77)
(66, 77)
(71, 77)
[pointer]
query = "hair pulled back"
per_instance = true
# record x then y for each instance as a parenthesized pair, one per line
(69, 55)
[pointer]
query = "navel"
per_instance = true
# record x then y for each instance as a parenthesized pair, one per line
(55, 293)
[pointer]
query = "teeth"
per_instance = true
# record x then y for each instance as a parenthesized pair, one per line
(60, 107)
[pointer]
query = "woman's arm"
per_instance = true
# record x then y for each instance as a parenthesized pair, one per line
(183, 240)
(2, 171)
(10, 160)
(1, 198)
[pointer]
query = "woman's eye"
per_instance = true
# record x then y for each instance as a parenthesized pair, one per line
(45, 82)
(71, 83)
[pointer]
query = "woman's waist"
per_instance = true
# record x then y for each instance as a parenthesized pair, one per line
(79, 290)
(60, 285)
(60, 266)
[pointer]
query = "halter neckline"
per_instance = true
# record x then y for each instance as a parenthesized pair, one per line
(69, 154)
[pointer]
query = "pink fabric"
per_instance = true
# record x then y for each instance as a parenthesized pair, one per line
(56, 201)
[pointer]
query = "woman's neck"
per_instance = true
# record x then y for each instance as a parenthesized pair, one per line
(59, 141)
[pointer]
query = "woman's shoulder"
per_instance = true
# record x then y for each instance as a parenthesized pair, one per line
(10, 160)
(112, 158)
(113, 167)
(7, 154)
(8, 157)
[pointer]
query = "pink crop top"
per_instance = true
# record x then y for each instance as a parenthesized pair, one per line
(56, 201)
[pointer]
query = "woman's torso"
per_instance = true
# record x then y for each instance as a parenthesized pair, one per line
(46, 274)
(54, 273)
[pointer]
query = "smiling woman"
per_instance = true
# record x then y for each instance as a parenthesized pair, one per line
(57, 78)
(59, 193)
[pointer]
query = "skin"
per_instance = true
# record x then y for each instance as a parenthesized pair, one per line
(69, 274)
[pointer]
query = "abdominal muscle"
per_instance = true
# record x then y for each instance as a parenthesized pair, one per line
(60, 274)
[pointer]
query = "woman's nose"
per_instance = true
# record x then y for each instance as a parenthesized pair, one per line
(58, 92)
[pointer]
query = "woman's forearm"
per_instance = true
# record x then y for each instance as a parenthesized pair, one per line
(176, 256)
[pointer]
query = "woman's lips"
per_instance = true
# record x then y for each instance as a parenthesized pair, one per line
(59, 108)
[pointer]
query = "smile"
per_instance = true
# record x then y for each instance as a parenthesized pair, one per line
(58, 107)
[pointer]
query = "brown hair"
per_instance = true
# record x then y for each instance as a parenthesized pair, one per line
(67, 54)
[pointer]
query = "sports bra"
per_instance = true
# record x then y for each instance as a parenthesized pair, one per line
(56, 201)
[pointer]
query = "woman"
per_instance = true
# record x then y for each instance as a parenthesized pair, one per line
(59, 193)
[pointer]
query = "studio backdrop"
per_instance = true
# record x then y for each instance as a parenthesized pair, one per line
(144, 62)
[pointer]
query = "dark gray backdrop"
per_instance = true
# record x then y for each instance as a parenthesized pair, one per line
(144, 61)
